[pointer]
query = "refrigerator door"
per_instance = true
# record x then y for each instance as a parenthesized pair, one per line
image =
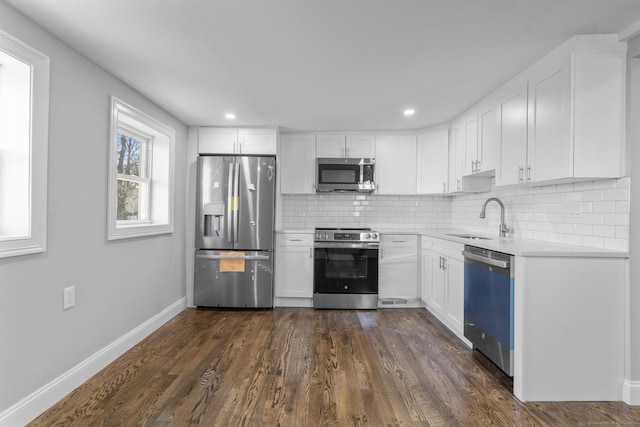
(233, 279)
(256, 192)
(214, 202)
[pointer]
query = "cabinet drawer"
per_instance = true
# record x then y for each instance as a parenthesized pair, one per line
(444, 247)
(294, 239)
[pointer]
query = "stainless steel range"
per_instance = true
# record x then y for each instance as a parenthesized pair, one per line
(345, 273)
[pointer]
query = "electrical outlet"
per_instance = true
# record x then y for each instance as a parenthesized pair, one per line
(69, 297)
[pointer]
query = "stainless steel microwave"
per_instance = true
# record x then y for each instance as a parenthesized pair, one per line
(337, 174)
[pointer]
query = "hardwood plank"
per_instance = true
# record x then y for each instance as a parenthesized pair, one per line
(304, 367)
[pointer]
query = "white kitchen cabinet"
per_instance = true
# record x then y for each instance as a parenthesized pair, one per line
(396, 171)
(294, 267)
(398, 266)
(442, 282)
(488, 136)
(361, 146)
(297, 157)
(214, 140)
(465, 155)
(562, 119)
(345, 146)
(433, 161)
(512, 127)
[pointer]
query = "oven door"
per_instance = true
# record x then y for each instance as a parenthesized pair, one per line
(345, 269)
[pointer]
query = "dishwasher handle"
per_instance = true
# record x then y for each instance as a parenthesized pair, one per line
(490, 261)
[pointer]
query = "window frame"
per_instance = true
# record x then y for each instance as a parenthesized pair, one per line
(144, 180)
(35, 240)
(160, 152)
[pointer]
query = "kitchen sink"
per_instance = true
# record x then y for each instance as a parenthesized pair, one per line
(469, 236)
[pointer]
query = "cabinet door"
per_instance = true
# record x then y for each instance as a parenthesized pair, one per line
(330, 146)
(488, 140)
(456, 158)
(549, 145)
(217, 140)
(470, 124)
(398, 267)
(361, 146)
(294, 266)
(257, 141)
(297, 164)
(512, 113)
(433, 162)
(437, 292)
(454, 311)
(395, 168)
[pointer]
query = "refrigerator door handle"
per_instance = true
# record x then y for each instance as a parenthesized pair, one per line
(245, 257)
(229, 202)
(236, 194)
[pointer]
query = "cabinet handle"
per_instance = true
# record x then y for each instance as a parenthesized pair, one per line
(528, 173)
(520, 174)
(444, 264)
(346, 152)
(440, 263)
(295, 240)
(311, 253)
(444, 187)
(459, 184)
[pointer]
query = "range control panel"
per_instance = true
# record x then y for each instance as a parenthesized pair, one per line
(341, 235)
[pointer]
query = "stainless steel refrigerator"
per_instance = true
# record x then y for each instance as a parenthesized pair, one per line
(235, 231)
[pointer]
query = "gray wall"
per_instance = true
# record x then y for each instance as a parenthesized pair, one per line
(119, 285)
(633, 153)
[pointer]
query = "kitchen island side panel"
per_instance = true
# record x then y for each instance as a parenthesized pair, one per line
(569, 328)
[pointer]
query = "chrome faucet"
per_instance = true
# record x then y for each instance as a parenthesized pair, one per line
(503, 225)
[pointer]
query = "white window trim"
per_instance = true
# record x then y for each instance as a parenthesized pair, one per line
(36, 239)
(162, 173)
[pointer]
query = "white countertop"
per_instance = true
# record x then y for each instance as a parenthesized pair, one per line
(510, 245)
(525, 247)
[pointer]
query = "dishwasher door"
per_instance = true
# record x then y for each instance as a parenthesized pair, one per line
(488, 304)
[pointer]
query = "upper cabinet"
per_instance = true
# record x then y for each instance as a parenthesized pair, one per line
(512, 130)
(396, 171)
(432, 161)
(346, 146)
(563, 118)
(297, 163)
(217, 140)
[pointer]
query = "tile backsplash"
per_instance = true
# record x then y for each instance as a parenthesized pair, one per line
(589, 213)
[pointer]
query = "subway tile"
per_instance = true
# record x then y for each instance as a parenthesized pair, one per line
(592, 241)
(593, 196)
(604, 230)
(616, 194)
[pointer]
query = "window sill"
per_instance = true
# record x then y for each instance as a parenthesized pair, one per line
(130, 231)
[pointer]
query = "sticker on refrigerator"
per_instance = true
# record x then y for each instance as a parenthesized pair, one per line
(235, 202)
(232, 265)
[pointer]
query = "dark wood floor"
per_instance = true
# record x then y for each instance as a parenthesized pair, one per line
(304, 367)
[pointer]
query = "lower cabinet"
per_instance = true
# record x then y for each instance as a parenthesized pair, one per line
(398, 266)
(442, 281)
(294, 268)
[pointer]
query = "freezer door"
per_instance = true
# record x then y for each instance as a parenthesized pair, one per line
(256, 192)
(233, 279)
(214, 202)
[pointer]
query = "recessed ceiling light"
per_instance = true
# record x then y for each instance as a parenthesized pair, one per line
(230, 116)
(409, 112)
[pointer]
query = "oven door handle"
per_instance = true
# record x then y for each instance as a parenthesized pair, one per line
(327, 245)
(485, 260)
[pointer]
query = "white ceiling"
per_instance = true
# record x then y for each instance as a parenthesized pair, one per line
(321, 64)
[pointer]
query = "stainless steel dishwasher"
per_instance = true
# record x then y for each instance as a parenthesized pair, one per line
(488, 304)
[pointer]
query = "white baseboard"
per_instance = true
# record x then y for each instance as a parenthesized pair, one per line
(631, 392)
(40, 400)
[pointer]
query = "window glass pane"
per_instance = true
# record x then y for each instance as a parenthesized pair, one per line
(128, 200)
(129, 155)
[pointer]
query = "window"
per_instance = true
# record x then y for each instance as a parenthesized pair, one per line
(140, 174)
(24, 119)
